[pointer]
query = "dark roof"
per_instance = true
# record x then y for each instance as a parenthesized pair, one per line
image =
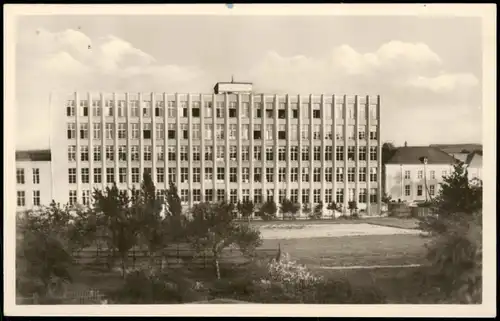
(415, 155)
(42, 155)
(457, 148)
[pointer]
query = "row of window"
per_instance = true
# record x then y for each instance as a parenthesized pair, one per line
(420, 174)
(318, 132)
(420, 190)
(21, 179)
(221, 195)
(306, 175)
(21, 198)
(220, 153)
(220, 109)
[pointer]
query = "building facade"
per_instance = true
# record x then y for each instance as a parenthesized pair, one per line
(33, 179)
(233, 145)
(414, 174)
(474, 163)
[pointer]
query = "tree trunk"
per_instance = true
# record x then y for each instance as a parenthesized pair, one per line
(216, 265)
(123, 265)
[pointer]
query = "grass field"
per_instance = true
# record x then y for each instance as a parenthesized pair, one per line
(407, 223)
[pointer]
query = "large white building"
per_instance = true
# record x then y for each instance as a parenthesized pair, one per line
(33, 179)
(232, 144)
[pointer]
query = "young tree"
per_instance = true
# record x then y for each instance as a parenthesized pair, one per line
(120, 218)
(289, 207)
(455, 251)
(246, 209)
(268, 210)
(306, 209)
(352, 206)
(174, 219)
(333, 207)
(318, 211)
(214, 228)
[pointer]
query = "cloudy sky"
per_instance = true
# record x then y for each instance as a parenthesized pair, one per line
(427, 70)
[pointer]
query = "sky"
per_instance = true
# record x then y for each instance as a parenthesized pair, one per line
(428, 71)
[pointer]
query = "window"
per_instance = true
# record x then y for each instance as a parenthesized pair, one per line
(281, 132)
(20, 175)
(305, 174)
(339, 133)
(71, 132)
(420, 174)
(328, 153)
(373, 133)
(351, 133)
(257, 175)
(245, 174)
(407, 174)
(221, 151)
(361, 133)
(350, 111)
(84, 153)
(282, 153)
(184, 107)
(328, 132)
(108, 110)
(21, 199)
(317, 174)
(209, 153)
(134, 108)
(339, 196)
(36, 198)
(110, 153)
(109, 129)
(373, 174)
(110, 175)
(245, 110)
(294, 153)
(196, 153)
(282, 174)
(244, 131)
(269, 110)
(270, 195)
(294, 132)
(219, 109)
(84, 131)
(172, 174)
(171, 109)
(196, 195)
(362, 174)
(135, 175)
(305, 153)
(184, 174)
(97, 176)
(122, 130)
(304, 110)
(36, 176)
(71, 153)
(208, 131)
(233, 176)
(339, 153)
(196, 131)
(172, 156)
(232, 131)
(96, 131)
(362, 197)
(209, 195)
(373, 195)
(134, 153)
(432, 190)
(245, 195)
(135, 130)
(122, 175)
(221, 195)
(196, 175)
(208, 109)
(269, 175)
(85, 175)
(72, 198)
(208, 173)
(305, 196)
(146, 131)
(122, 153)
(269, 132)
(351, 174)
(294, 174)
(327, 107)
(160, 131)
(184, 131)
(304, 132)
(159, 108)
(70, 108)
(407, 190)
(220, 174)
(269, 153)
(339, 174)
(184, 153)
(316, 111)
(195, 109)
(257, 151)
(148, 153)
(257, 196)
(232, 109)
(245, 153)
(432, 174)
(316, 196)
(373, 111)
(351, 153)
(96, 108)
(257, 131)
(373, 153)
(233, 153)
(362, 153)
(329, 174)
(328, 196)
(171, 131)
(419, 190)
(317, 153)
(317, 132)
(294, 195)
(72, 175)
(295, 110)
(362, 111)
(219, 131)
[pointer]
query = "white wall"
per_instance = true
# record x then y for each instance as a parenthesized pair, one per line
(45, 185)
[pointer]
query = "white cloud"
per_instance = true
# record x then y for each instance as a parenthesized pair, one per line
(444, 82)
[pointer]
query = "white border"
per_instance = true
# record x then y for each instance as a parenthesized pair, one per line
(486, 11)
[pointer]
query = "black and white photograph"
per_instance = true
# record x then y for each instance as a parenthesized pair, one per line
(272, 158)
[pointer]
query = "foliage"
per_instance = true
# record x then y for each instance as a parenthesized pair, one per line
(306, 209)
(289, 208)
(352, 206)
(317, 212)
(246, 208)
(268, 210)
(175, 221)
(455, 253)
(214, 228)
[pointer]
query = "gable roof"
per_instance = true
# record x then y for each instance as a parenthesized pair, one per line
(42, 155)
(474, 159)
(415, 155)
(457, 148)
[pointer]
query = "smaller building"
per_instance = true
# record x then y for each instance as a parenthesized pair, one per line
(459, 151)
(33, 179)
(414, 174)
(474, 164)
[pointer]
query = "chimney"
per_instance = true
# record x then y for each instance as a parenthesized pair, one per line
(406, 144)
